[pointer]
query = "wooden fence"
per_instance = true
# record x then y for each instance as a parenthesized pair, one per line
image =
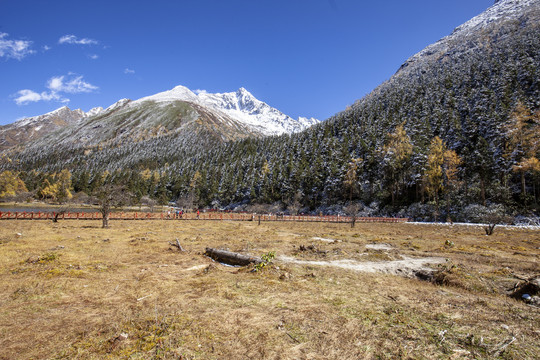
(190, 216)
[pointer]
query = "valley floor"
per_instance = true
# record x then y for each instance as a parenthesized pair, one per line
(71, 290)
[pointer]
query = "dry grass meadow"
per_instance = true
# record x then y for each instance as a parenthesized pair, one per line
(71, 290)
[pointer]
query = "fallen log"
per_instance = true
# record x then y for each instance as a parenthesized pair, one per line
(231, 258)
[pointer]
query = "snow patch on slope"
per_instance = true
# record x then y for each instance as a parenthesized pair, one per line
(501, 9)
(117, 105)
(94, 111)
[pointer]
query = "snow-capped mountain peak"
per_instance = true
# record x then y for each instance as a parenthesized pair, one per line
(180, 92)
(240, 105)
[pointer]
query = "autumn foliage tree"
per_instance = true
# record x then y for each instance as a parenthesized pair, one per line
(397, 153)
(441, 174)
(523, 143)
(350, 181)
(56, 187)
(47, 190)
(433, 175)
(10, 184)
(63, 180)
(451, 180)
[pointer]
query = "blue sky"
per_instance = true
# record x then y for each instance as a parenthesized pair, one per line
(304, 57)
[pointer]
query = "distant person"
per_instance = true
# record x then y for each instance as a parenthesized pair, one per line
(197, 214)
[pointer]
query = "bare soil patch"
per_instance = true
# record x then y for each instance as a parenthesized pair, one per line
(406, 267)
(384, 247)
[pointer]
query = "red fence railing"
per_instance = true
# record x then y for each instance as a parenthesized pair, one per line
(190, 216)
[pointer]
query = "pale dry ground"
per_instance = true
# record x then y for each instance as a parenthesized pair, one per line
(68, 290)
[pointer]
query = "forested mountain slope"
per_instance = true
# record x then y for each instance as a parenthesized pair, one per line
(456, 126)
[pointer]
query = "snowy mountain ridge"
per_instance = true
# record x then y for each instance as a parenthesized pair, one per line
(32, 128)
(501, 9)
(240, 105)
(230, 115)
(63, 112)
(464, 37)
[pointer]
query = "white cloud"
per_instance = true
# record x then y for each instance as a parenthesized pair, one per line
(72, 39)
(26, 96)
(46, 48)
(129, 71)
(93, 56)
(15, 49)
(199, 91)
(72, 85)
(57, 85)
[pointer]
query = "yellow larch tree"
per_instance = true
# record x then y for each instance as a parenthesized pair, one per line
(10, 184)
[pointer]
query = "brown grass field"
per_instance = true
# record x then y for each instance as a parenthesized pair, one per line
(71, 290)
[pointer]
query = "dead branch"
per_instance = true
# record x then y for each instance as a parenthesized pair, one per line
(499, 349)
(177, 244)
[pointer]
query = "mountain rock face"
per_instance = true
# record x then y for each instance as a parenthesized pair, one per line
(29, 129)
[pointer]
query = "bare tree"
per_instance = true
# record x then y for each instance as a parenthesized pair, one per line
(61, 211)
(20, 197)
(111, 197)
(185, 201)
(80, 198)
(259, 209)
(149, 202)
(295, 204)
(352, 210)
(494, 217)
